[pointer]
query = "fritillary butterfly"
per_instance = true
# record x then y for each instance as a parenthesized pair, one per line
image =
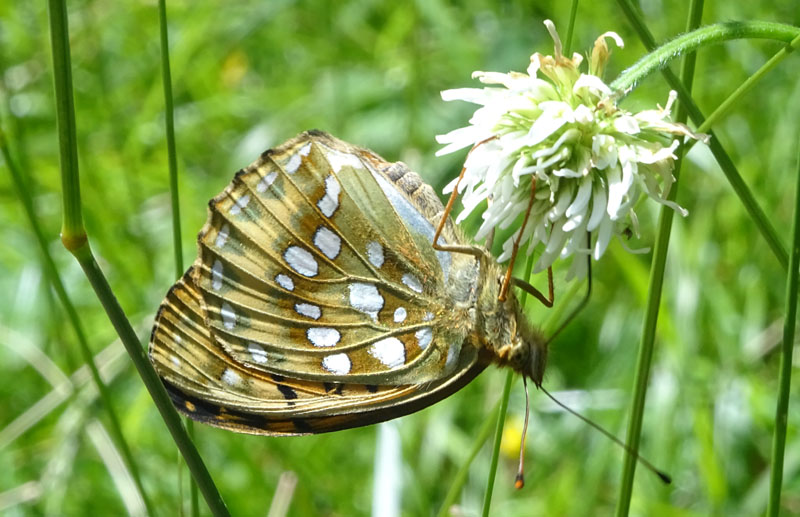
(317, 301)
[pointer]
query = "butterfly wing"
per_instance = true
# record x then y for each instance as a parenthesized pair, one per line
(306, 257)
(315, 269)
(207, 385)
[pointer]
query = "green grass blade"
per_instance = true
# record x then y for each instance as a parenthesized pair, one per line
(54, 277)
(647, 344)
(151, 380)
(741, 189)
(785, 375)
(461, 476)
(194, 494)
(747, 199)
(169, 128)
(74, 239)
(573, 11)
(172, 157)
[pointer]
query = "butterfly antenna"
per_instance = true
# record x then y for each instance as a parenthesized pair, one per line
(519, 482)
(585, 298)
(661, 474)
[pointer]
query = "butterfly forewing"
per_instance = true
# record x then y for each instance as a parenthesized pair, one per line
(347, 300)
(316, 302)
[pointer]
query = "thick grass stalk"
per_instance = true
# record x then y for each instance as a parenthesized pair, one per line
(74, 238)
(151, 381)
(655, 288)
(785, 375)
(779, 32)
(74, 320)
(72, 233)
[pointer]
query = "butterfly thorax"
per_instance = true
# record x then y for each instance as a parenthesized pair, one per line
(504, 329)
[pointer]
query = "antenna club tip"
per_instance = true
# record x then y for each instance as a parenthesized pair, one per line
(519, 482)
(664, 477)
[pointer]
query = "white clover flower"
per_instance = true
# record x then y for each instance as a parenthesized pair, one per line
(590, 159)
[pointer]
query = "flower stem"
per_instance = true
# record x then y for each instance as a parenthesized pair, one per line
(498, 436)
(74, 238)
(461, 476)
(694, 40)
(785, 372)
(72, 315)
(655, 289)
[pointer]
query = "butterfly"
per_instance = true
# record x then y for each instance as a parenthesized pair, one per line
(318, 300)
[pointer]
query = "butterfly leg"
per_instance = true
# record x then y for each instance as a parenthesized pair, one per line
(469, 250)
(585, 298)
(515, 249)
(547, 301)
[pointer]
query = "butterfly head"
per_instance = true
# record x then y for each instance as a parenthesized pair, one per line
(529, 350)
(512, 339)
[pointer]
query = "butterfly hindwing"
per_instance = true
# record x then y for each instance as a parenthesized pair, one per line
(209, 386)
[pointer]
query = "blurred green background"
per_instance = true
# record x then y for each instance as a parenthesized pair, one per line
(250, 75)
